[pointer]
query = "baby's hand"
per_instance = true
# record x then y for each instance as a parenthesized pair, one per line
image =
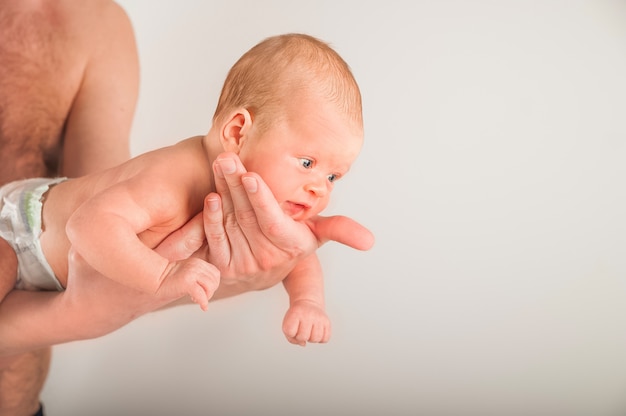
(306, 321)
(194, 277)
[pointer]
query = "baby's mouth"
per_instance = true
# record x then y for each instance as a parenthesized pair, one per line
(295, 209)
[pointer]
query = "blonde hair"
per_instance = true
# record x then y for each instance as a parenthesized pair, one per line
(265, 78)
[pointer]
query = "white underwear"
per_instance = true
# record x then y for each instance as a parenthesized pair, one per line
(20, 226)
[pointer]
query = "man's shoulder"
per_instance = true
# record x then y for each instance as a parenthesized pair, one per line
(92, 18)
(71, 21)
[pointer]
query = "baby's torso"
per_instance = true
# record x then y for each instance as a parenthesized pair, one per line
(63, 199)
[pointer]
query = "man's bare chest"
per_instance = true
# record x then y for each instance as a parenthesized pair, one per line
(37, 87)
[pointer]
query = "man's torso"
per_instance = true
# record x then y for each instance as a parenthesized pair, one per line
(39, 77)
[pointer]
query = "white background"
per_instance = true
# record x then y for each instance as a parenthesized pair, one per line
(493, 176)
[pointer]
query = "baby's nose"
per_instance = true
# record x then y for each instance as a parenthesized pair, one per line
(318, 187)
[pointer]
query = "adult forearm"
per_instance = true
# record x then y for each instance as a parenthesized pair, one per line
(33, 320)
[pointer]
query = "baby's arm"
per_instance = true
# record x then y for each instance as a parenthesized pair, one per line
(306, 319)
(111, 232)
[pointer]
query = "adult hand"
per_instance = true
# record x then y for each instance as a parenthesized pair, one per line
(252, 241)
(91, 306)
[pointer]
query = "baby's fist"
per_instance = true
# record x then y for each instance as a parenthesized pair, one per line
(306, 321)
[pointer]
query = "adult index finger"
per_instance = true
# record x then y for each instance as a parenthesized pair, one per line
(234, 198)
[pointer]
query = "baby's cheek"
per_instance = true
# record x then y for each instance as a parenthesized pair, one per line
(321, 206)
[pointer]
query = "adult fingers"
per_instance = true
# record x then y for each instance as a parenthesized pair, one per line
(229, 186)
(217, 240)
(342, 229)
(183, 242)
(275, 226)
(287, 234)
(221, 186)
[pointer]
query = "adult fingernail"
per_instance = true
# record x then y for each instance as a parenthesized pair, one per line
(250, 184)
(228, 165)
(212, 204)
(218, 171)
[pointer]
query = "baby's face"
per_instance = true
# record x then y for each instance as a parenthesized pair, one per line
(303, 156)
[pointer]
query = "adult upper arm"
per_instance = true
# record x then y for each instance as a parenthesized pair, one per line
(98, 127)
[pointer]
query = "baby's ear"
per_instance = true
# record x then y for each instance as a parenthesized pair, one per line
(235, 129)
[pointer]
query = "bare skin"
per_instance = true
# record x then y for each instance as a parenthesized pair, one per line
(136, 205)
(65, 109)
(61, 110)
(231, 244)
(68, 88)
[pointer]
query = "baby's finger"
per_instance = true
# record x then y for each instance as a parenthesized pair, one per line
(296, 341)
(304, 333)
(290, 327)
(198, 295)
(327, 332)
(291, 330)
(317, 333)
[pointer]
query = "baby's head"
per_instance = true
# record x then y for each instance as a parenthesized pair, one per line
(291, 108)
(267, 77)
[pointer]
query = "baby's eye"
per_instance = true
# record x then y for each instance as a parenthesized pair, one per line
(306, 163)
(332, 177)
